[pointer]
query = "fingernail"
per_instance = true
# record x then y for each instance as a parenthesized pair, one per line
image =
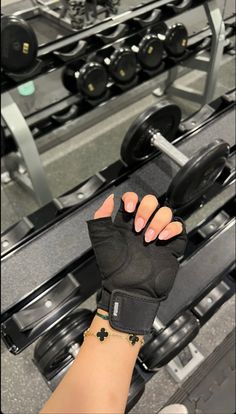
(164, 235)
(130, 207)
(139, 224)
(150, 235)
(110, 196)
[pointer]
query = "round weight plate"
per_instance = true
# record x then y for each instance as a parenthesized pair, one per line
(123, 65)
(176, 40)
(164, 346)
(200, 172)
(163, 117)
(150, 51)
(19, 45)
(93, 80)
(52, 350)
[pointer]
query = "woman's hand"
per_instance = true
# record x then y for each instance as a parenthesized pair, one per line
(161, 225)
(138, 268)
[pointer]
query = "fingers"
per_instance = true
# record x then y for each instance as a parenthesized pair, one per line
(130, 201)
(171, 230)
(106, 209)
(146, 208)
(161, 219)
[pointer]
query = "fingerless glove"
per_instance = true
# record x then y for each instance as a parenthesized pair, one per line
(136, 276)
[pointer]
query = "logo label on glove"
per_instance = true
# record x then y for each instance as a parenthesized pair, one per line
(116, 309)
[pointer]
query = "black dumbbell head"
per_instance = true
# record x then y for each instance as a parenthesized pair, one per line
(163, 117)
(51, 352)
(150, 51)
(198, 174)
(123, 65)
(92, 80)
(19, 45)
(176, 40)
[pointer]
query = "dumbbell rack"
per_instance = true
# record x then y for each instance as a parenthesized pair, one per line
(64, 205)
(27, 157)
(38, 181)
(74, 275)
(210, 65)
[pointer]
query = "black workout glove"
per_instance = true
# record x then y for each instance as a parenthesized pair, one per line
(136, 276)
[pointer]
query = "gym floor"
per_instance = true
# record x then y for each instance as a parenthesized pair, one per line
(67, 164)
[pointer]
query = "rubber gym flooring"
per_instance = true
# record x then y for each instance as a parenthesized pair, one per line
(23, 390)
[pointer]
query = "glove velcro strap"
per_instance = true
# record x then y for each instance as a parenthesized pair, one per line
(131, 313)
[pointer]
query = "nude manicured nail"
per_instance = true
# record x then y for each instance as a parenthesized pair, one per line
(150, 235)
(110, 196)
(139, 224)
(164, 235)
(130, 207)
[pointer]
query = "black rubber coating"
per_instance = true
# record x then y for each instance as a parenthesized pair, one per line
(123, 65)
(52, 350)
(92, 81)
(150, 51)
(200, 172)
(176, 40)
(164, 346)
(19, 45)
(162, 117)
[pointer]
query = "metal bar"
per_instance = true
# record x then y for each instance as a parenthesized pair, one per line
(217, 26)
(185, 93)
(21, 133)
(199, 63)
(161, 143)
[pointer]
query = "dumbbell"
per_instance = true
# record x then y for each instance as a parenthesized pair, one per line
(149, 51)
(61, 344)
(19, 45)
(152, 131)
(166, 342)
(174, 38)
(90, 79)
(179, 6)
(122, 65)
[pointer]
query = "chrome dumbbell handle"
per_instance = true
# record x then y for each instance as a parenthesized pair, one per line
(159, 142)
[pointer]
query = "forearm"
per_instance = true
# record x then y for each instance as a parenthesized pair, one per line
(99, 379)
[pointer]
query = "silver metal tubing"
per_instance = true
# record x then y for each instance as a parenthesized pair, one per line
(158, 141)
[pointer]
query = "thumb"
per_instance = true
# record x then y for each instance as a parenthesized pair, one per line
(106, 209)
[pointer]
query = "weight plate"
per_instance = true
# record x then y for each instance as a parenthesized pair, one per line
(19, 45)
(176, 40)
(92, 80)
(123, 65)
(51, 352)
(164, 346)
(200, 172)
(150, 51)
(179, 6)
(162, 117)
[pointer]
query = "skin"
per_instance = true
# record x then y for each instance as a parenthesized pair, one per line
(99, 379)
